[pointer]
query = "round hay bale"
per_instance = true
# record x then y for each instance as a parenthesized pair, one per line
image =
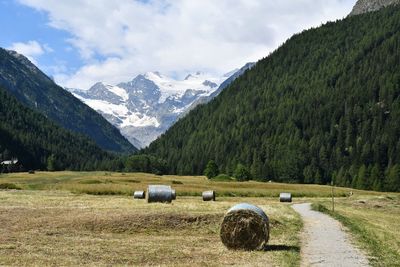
(139, 195)
(285, 197)
(245, 227)
(209, 195)
(173, 194)
(160, 193)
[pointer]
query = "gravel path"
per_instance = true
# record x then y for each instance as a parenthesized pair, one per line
(324, 242)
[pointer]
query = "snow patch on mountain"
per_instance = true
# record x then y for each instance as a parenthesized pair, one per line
(145, 107)
(118, 91)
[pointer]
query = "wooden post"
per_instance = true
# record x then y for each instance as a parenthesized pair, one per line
(333, 196)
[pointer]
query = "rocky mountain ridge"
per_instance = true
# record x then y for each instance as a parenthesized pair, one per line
(364, 6)
(149, 104)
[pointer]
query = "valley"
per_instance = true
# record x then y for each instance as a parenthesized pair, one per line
(292, 159)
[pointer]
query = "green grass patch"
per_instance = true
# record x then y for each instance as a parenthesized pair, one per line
(380, 253)
(223, 178)
(100, 191)
(35, 186)
(90, 182)
(129, 181)
(9, 186)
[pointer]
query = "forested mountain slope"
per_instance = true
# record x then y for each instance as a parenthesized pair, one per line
(39, 143)
(325, 104)
(35, 90)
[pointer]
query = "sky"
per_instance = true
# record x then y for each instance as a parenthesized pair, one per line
(81, 42)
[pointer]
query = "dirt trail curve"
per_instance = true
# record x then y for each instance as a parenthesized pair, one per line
(324, 242)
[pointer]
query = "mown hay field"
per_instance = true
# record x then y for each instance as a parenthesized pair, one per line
(61, 228)
(91, 218)
(107, 183)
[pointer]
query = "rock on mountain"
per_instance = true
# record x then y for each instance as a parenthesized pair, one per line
(147, 106)
(35, 90)
(364, 6)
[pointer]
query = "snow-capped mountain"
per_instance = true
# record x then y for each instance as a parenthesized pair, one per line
(147, 106)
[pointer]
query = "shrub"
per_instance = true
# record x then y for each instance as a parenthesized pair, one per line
(242, 173)
(211, 169)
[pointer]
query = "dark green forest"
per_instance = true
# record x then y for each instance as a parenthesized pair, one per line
(35, 90)
(40, 144)
(323, 106)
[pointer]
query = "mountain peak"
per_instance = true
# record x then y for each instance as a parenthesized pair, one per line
(364, 6)
(97, 85)
(149, 104)
(153, 75)
(188, 77)
(196, 75)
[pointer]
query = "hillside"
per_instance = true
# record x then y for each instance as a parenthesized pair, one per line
(364, 6)
(325, 104)
(35, 90)
(38, 143)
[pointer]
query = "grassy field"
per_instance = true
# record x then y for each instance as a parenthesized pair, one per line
(374, 221)
(60, 228)
(106, 183)
(74, 218)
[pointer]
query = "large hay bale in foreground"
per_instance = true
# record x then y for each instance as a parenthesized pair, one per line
(245, 227)
(139, 195)
(208, 195)
(160, 193)
(285, 197)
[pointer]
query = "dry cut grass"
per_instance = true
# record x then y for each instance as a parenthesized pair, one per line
(60, 228)
(106, 183)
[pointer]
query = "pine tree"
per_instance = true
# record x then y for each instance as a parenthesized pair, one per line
(318, 177)
(51, 163)
(308, 175)
(375, 178)
(393, 179)
(256, 167)
(340, 178)
(361, 178)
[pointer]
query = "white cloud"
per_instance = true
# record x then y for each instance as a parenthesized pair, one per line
(118, 39)
(30, 49)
